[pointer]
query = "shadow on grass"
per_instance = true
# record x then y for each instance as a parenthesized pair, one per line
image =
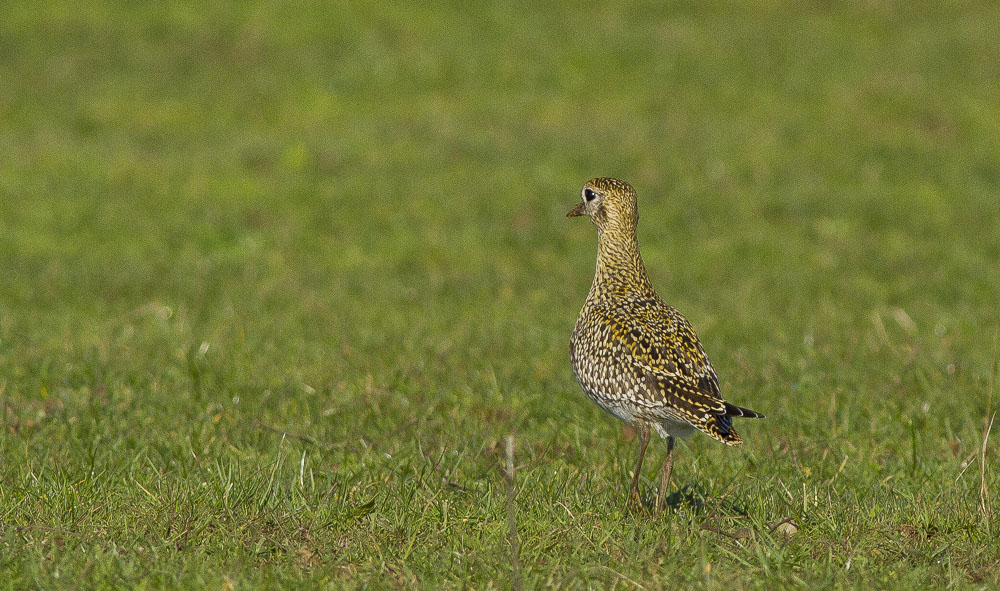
(693, 499)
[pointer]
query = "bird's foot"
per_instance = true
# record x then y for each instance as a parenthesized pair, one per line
(634, 502)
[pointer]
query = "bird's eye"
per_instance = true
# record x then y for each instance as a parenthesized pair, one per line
(589, 194)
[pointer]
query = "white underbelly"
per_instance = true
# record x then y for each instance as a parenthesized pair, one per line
(674, 428)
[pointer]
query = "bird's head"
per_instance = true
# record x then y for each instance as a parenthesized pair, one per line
(609, 203)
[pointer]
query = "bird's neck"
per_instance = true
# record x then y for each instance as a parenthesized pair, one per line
(620, 272)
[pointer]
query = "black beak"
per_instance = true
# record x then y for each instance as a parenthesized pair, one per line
(580, 209)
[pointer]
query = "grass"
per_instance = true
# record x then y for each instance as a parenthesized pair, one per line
(279, 280)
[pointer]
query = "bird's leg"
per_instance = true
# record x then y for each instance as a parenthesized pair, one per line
(665, 471)
(633, 491)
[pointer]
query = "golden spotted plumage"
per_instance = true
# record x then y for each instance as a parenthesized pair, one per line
(633, 354)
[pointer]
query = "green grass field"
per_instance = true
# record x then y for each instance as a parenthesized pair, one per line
(278, 280)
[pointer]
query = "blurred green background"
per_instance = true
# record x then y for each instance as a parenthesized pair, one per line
(345, 221)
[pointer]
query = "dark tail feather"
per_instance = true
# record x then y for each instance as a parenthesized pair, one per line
(737, 411)
(720, 425)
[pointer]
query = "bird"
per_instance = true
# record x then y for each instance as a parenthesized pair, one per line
(633, 354)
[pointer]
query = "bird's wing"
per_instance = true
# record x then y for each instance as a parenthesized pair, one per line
(660, 344)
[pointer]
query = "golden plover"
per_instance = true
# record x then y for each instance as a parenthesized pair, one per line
(633, 354)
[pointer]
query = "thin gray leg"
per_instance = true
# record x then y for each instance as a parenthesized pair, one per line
(633, 491)
(665, 471)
